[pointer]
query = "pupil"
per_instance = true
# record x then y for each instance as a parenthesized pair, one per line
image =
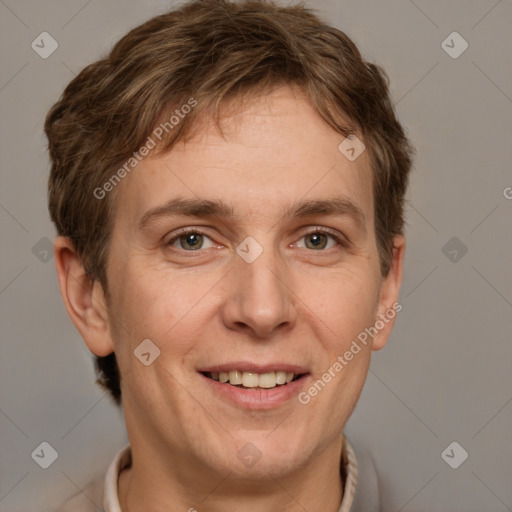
(317, 240)
(193, 240)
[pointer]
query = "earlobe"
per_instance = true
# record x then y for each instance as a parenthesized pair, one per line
(84, 299)
(389, 305)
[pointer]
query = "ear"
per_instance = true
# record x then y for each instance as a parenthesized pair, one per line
(388, 306)
(84, 299)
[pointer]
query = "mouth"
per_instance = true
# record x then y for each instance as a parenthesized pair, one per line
(256, 387)
(254, 381)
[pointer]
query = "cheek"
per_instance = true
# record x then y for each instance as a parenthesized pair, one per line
(345, 302)
(161, 306)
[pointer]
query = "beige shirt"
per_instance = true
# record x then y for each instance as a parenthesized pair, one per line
(360, 485)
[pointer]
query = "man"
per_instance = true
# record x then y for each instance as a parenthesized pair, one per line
(228, 189)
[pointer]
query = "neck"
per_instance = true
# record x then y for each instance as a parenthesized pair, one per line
(152, 485)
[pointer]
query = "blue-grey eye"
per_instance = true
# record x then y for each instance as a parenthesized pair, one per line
(191, 241)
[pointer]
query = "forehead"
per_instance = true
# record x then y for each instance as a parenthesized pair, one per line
(275, 150)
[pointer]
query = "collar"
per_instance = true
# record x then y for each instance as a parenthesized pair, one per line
(359, 496)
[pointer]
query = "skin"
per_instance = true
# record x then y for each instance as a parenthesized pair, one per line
(295, 303)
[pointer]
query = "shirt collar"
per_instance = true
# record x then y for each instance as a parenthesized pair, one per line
(348, 469)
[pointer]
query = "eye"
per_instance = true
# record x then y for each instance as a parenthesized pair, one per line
(321, 239)
(191, 241)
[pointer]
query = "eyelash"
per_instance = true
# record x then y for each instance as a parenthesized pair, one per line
(339, 239)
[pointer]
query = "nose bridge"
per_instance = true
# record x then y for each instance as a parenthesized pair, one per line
(261, 299)
(264, 284)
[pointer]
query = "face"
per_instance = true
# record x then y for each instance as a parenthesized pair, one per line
(249, 258)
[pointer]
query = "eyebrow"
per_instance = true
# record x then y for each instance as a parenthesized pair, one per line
(214, 208)
(338, 206)
(187, 207)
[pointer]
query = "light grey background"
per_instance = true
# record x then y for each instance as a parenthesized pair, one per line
(446, 373)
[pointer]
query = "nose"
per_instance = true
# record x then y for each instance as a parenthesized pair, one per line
(259, 299)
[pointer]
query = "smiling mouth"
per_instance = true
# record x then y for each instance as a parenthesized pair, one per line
(254, 381)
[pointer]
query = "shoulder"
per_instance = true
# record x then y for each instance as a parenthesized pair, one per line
(366, 498)
(90, 499)
(102, 492)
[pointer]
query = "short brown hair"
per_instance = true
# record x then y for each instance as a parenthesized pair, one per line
(211, 50)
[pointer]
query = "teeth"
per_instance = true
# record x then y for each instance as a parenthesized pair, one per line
(253, 380)
(250, 380)
(235, 377)
(267, 380)
(280, 377)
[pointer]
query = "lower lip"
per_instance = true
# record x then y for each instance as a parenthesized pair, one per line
(261, 399)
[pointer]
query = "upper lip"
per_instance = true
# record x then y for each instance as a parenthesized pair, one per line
(247, 366)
